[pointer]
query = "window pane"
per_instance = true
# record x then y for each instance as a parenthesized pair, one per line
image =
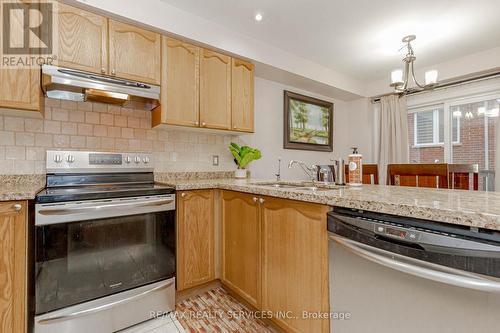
(475, 144)
(441, 126)
(425, 127)
(423, 154)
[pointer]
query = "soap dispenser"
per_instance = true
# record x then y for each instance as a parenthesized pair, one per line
(355, 168)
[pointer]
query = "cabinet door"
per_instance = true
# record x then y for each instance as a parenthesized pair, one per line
(195, 238)
(241, 245)
(19, 86)
(242, 95)
(83, 38)
(13, 228)
(134, 53)
(295, 268)
(20, 89)
(180, 83)
(215, 90)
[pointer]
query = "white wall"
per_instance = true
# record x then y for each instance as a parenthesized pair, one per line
(352, 126)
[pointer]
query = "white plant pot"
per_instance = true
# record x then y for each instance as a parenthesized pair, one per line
(240, 173)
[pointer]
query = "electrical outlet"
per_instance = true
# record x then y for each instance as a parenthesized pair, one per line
(215, 160)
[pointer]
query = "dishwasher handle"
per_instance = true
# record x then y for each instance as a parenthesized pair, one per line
(417, 267)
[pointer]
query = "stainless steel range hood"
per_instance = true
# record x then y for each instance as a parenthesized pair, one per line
(74, 85)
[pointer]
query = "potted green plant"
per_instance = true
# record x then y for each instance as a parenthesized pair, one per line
(243, 155)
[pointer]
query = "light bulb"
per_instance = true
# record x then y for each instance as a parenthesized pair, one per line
(396, 77)
(258, 17)
(431, 77)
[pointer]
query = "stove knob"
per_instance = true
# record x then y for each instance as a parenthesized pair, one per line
(128, 159)
(137, 160)
(70, 158)
(57, 158)
(145, 160)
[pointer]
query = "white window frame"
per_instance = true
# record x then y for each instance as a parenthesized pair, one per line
(456, 97)
(435, 128)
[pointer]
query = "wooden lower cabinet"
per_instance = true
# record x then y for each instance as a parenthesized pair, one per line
(295, 263)
(241, 245)
(13, 267)
(275, 256)
(195, 238)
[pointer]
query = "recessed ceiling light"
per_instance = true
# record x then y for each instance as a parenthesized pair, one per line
(258, 17)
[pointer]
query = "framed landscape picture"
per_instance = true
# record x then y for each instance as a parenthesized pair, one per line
(308, 123)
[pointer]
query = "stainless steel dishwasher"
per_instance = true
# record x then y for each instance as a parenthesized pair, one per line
(394, 274)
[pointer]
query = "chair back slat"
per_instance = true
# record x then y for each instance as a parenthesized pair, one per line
(464, 176)
(418, 175)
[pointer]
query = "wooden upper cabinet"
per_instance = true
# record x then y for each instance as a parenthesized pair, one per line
(242, 95)
(195, 238)
(215, 90)
(241, 245)
(295, 262)
(13, 267)
(134, 53)
(180, 83)
(20, 89)
(83, 38)
(19, 86)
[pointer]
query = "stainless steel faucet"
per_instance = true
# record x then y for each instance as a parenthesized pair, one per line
(278, 175)
(310, 171)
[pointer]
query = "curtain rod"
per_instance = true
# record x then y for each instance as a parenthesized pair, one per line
(449, 83)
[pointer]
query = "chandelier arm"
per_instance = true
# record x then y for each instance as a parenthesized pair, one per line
(414, 79)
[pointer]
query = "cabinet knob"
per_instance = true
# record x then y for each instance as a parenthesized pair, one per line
(17, 207)
(254, 199)
(183, 195)
(103, 70)
(196, 123)
(113, 72)
(235, 127)
(203, 124)
(261, 200)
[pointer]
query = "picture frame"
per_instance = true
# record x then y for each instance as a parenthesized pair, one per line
(308, 123)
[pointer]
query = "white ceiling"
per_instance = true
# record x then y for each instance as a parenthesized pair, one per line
(360, 38)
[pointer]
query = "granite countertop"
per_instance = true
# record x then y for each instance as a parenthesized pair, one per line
(20, 187)
(469, 208)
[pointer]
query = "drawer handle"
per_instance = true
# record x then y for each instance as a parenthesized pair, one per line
(17, 207)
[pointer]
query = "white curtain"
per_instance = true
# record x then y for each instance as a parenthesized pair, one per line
(497, 155)
(392, 144)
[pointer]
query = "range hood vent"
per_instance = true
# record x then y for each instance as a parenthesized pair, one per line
(74, 85)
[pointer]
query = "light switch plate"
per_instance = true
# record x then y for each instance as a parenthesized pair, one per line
(215, 160)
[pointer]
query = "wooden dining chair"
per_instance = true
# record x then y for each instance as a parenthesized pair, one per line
(370, 174)
(418, 175)
(463, 176)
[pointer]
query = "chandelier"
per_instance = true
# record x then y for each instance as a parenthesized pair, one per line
(400, 79)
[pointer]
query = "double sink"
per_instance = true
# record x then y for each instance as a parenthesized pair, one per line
(304, 186)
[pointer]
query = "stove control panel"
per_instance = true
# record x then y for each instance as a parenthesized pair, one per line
(84, 161)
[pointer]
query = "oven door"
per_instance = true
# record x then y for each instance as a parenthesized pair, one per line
(90, 249)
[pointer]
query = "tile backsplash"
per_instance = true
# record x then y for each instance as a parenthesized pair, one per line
(100, 127)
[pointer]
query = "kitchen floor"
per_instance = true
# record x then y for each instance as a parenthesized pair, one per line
(213, 311)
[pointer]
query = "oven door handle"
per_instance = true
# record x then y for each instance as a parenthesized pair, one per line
(417, 267)
(76, 210)
(106, 306)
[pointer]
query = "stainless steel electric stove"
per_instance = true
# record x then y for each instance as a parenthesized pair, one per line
(104, 243)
